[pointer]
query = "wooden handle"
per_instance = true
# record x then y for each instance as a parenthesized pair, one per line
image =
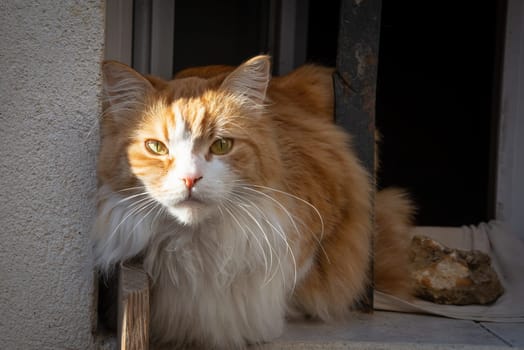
(133, 308)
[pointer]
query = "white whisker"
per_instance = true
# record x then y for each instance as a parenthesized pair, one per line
(279, 231)
(153, 205)
(264, 235)
(301, 200)
(132, 188)
(245, 234)
(138, 206)
(319, 240)
(128, 198)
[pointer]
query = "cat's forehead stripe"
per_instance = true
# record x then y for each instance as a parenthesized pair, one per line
(198, 123)
(177, 113)
(185, 125)
(180, 131)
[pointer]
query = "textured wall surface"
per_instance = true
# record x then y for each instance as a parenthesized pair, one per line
(50, 53)
(510, 172)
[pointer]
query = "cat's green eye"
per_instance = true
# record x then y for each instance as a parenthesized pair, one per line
(156, 147)
(221, 146)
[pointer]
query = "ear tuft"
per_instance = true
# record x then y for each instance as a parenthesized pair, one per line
(249, 81)
(124, 89)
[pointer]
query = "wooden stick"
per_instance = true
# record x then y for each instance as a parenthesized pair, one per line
(133, 308)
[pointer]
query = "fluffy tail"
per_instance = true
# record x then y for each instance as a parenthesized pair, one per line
(393, 216)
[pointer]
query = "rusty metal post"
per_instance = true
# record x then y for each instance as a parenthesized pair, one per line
(355, 85)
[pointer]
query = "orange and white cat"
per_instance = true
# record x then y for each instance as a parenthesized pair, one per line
(246, 203)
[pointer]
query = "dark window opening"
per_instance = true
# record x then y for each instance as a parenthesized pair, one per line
(219, 32)
(437, 78)
(435, 101)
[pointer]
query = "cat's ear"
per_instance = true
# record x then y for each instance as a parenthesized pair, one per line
(123, 88)
(249, 81)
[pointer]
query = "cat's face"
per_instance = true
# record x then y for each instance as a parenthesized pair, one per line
(192, 145)
(185, 163)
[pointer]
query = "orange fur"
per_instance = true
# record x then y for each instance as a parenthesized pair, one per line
(311, 87)
(285, 142)
(393, 215)
(204, 72)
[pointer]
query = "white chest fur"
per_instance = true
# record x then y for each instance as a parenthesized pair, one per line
(219, 283)
(224, 282)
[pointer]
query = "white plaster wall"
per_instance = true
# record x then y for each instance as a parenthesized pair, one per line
(50, 53)
(510, 171)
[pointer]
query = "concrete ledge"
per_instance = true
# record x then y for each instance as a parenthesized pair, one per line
(391, 331)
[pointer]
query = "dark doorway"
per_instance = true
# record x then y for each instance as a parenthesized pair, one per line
(437, 81)
(437, 91)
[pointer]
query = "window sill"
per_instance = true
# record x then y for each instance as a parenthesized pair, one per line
(392, 331)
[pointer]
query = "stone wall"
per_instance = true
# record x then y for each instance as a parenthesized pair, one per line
(50, 54)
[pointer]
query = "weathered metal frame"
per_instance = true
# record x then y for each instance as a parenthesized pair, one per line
(355, 82)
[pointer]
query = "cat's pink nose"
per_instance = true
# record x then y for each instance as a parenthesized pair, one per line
(190, 181)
